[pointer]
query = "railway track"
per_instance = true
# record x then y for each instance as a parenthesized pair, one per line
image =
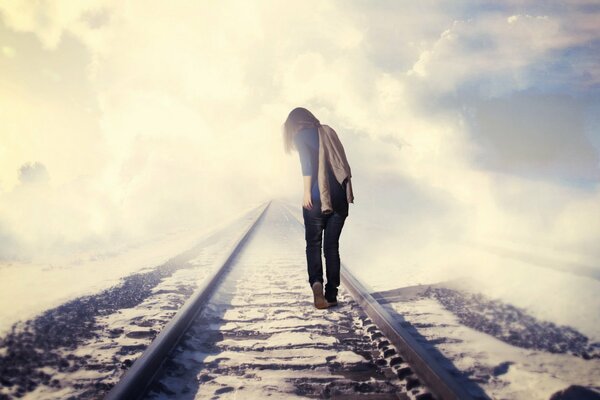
(251, 331)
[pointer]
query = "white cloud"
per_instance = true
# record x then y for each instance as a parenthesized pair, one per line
(493, 49)
(190, 99)
(8, 52)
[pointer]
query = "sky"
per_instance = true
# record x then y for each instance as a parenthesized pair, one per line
(467, 120)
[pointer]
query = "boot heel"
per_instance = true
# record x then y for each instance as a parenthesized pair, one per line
(319, 298)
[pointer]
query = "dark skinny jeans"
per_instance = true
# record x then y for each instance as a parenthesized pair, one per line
(315, 223)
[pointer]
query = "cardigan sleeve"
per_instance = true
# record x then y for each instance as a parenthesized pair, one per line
(340, 146)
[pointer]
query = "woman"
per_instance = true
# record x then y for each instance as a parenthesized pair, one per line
(301, 132)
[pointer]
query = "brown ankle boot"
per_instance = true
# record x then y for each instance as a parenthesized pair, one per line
(320, 301)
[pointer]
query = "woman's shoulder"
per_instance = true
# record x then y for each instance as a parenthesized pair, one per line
(308, 129)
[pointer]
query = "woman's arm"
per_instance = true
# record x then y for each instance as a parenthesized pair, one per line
(306, 166)
(307, 203)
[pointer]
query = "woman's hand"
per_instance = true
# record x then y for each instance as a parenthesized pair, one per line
(307, 203)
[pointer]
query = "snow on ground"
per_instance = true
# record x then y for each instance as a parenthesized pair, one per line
(261, 336)
(537, 305)
(101, 313)
(81, 347)
(501, 369)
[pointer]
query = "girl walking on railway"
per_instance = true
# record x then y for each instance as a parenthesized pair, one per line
(327, 194)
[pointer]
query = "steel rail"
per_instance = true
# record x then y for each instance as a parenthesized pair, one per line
(435, 377)
(135, 382)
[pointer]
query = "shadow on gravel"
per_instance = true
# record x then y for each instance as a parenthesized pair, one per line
(513, 325)
(503, 321)
(500, 320)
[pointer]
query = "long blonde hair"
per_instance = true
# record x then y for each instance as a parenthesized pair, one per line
(297, 119)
